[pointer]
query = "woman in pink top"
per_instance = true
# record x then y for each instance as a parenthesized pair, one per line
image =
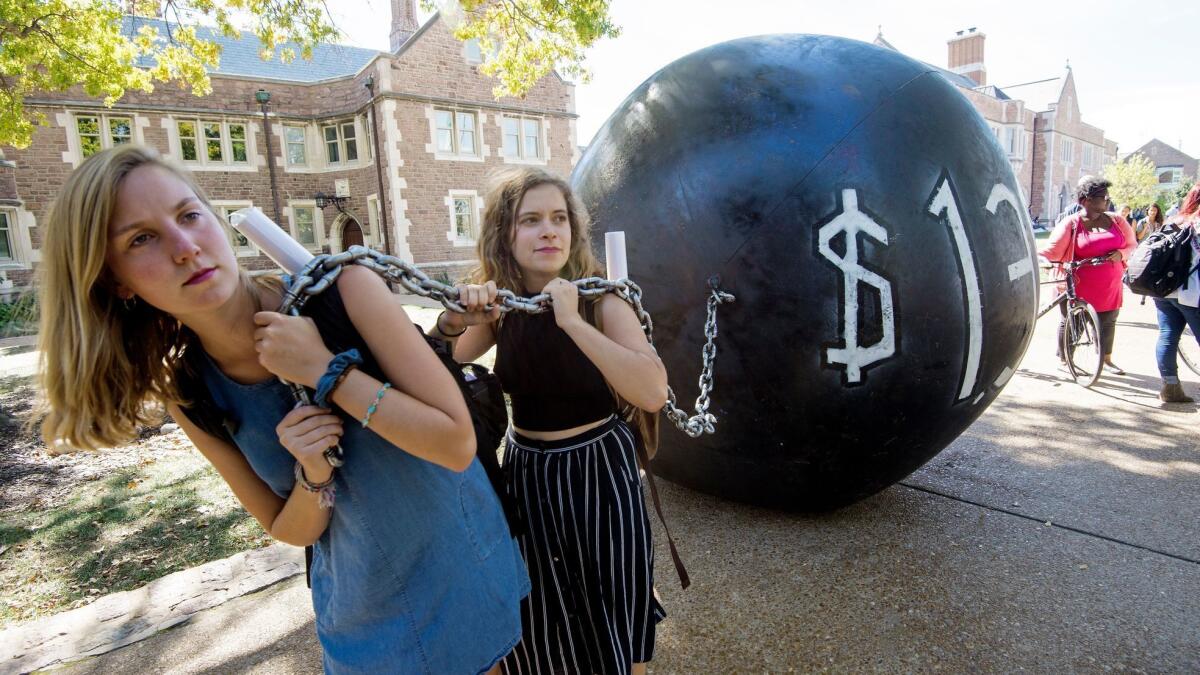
(1090, 233)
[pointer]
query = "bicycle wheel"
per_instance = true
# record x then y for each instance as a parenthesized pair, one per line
(1189, 351)
(1081, 344)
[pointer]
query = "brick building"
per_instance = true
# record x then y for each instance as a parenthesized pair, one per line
(1037, 124)
(1171, 165)
(415, 187)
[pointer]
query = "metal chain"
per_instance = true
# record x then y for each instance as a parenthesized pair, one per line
(323, 270)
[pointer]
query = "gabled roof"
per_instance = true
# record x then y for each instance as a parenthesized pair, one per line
(240, 56)
(1038, 96)
(1162, 155)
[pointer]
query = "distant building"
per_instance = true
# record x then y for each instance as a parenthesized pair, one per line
(440, 132)
(1171, 165)
(1037, 125)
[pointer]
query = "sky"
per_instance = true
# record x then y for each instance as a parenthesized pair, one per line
(1135, 63)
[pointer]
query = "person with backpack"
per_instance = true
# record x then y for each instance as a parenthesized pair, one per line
(571, 460)
(1092, 232)
(1180, 308)
(144, 307)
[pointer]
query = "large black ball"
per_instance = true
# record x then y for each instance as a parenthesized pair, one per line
(870, 226)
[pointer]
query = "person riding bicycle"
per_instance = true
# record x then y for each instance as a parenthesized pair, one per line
(1089, 233)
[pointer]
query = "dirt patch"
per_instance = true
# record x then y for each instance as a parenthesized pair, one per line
(30, 475)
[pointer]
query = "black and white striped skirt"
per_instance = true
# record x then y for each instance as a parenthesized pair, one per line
(587, 545)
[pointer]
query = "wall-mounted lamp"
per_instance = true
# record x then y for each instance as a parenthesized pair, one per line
(324, 200)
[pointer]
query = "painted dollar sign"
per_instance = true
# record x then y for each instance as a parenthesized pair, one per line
(854, 356)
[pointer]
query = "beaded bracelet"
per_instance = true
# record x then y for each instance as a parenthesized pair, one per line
(324, 491)
(375, 406)
(339, 366)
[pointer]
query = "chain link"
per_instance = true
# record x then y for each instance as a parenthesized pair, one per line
(323, 270)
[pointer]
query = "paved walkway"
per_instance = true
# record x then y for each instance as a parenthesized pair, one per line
(1059, 533)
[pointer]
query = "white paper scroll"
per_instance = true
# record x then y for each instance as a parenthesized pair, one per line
(614, 255)
(270, 239)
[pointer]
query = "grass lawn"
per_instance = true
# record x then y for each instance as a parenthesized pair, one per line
(168, 512)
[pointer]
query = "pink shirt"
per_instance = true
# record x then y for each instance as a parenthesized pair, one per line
(1100, 285)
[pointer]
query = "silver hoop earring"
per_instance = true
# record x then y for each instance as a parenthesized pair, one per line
(129, 303)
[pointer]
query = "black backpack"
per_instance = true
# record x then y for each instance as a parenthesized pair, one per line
(1161, 263)
(480, 388)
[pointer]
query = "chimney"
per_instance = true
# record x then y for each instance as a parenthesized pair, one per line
(404, 22)
(966, 55)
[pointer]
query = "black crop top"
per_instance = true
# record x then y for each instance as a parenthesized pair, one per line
(552, 384)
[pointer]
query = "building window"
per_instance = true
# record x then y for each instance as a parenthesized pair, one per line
(464, 218)
(212, 142)
(455, 131)
(472, 52)
(8, 249)
(237, 143)
(522, 137)
(1013, 137)
(372, 219)
(97, 132)
(370, 134)
(341, 142)
(304, 226)
(1068, 151)
(241, 245)
(463, 208)
(293, 138)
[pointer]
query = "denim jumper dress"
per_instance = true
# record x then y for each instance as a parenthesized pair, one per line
(417, 571)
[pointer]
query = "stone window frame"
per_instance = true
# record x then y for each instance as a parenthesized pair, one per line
(22, 255)
(543, 136)
(1014, 141)
(471, 51)
(474, 211)
(8, 236)
(202, 162)
(104, 130)
(481, 149)
(340, 141)
(318, 222)
(224, 208)
(1067, 151)
(373, 237)
(287, 143)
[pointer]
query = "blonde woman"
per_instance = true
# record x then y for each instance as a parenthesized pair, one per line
(414, 570)
(570, 462)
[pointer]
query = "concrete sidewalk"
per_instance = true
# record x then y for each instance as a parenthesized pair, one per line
(1059, 533)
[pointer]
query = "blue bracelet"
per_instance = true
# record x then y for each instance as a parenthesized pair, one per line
(375, 405)
(333, 375)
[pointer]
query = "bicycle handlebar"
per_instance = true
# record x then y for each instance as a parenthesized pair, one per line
(1073, 264)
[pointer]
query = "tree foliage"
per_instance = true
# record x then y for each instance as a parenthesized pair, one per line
(1134, 181)
(52, 45)
(523, 40)
(1169, 198)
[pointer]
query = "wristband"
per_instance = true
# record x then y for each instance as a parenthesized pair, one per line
(335, 372)
(444, 333)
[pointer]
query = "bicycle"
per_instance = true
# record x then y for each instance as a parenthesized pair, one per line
(1189, 351)
(1080, 348)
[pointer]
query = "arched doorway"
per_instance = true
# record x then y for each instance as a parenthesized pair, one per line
(352, 234)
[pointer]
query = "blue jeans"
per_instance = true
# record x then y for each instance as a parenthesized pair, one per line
(1172, 317)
